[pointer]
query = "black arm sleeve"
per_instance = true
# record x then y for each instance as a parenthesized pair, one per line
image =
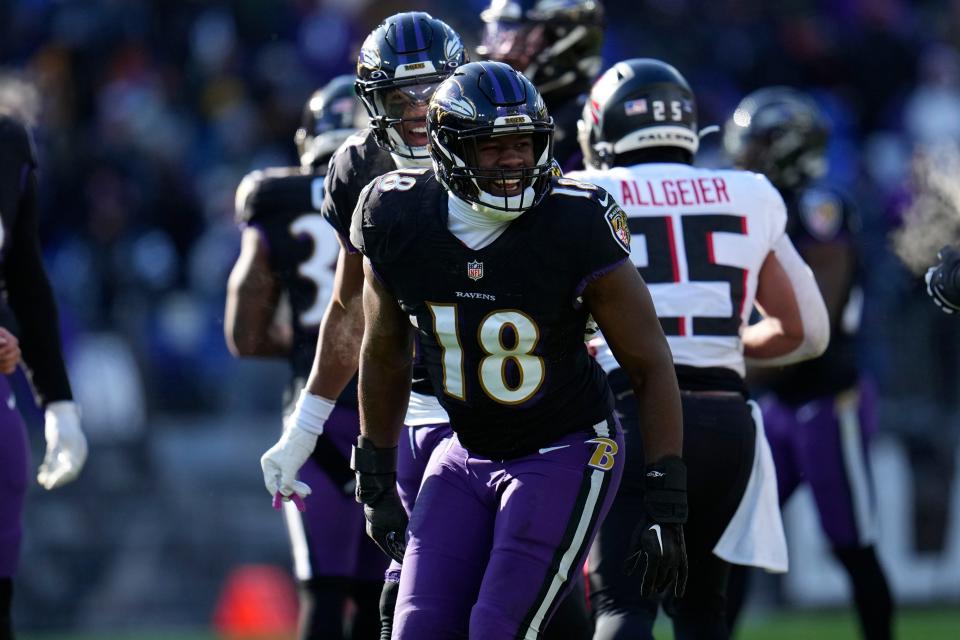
(31, 298)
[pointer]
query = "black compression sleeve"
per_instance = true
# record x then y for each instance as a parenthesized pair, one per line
(31, 299)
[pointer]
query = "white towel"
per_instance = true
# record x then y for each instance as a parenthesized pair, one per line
(754, 536)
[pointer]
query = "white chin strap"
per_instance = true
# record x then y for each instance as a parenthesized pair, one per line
(398, 143)
(412, 163)
(520, 203)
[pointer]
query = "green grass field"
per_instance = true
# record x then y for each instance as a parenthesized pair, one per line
(915, 624)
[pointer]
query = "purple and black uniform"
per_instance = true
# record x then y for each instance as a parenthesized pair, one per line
(819, 414)
(27, 309)
(355, 164)
(510, 504)
(329, 539)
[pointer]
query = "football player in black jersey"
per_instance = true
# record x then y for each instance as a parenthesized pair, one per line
(556, 44)
(400, 64)
(494, 264)
(28, 310)
(819, 414)
(288, 251)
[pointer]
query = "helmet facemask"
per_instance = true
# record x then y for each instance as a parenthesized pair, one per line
(463, 163)
(400, 65)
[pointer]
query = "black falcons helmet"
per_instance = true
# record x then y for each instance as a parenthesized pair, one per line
(555, 43)
(779, 132)
(480, 100)
(411, 52)
(637, 104)
(331, 115)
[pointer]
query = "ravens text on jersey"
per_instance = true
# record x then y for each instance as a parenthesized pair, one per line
(501, 327)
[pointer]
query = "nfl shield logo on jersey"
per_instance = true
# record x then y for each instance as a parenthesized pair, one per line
(475, 270)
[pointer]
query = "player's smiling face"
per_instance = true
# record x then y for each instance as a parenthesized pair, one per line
(410, 105)
(509, 154)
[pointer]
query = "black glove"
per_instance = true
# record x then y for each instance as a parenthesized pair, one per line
(377, 492)
(657, 550)
(943, 280)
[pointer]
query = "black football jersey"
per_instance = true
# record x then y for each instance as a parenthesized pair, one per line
(818, 215)
(358, 161)
(283, 204)
(27, 307)
(351, 168)
(500, 328)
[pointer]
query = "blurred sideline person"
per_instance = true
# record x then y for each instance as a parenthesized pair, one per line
(28, 316)
(943, 280)
(819, 414)
(709, 244)
(400, 65)
(289, 252)
(495, 265)
(556, 44)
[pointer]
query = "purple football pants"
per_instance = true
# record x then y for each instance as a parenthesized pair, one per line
(415, 449)
(330, 539)
(824, 442)
(14, 459)
(494, 544)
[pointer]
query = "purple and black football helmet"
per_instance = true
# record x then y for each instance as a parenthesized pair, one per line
(480, 100)
(411, 53)
(781, 133)
(331, 115)
(554, 43)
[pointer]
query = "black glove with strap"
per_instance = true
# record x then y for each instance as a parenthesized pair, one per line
(377, 491)
(943, 280)
(657, 550)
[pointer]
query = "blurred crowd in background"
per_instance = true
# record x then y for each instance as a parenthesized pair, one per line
(148, 114)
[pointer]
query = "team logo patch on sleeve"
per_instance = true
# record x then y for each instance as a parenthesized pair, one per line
(821, 213)
(617, 221)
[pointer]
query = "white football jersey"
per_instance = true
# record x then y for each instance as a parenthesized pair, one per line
(698, 237)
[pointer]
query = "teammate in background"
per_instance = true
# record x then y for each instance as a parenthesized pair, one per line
(495, 265)
(556, 44)
(400, 64)
(819, 414)
(288, 251)
(708, 244)
(27, 309)
(943, 280)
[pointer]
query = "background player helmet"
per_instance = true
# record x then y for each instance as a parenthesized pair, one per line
(331, 115)
(411, 52)
(555, 43)
(479, 100)
(779, 132)
(637, 104)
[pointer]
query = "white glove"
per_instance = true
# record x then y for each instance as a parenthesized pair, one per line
(282, 461)
(66, 445)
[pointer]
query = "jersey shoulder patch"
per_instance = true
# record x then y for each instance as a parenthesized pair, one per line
(822, 213)
(617, 221)
(267, 193)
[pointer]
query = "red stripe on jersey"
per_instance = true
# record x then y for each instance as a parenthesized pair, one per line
(673, 249)
(682, 325)
(746, 272)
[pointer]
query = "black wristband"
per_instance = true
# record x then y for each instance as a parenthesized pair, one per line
(665, 490)
(367, 458)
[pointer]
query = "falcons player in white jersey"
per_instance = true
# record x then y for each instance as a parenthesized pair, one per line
(711, 246)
